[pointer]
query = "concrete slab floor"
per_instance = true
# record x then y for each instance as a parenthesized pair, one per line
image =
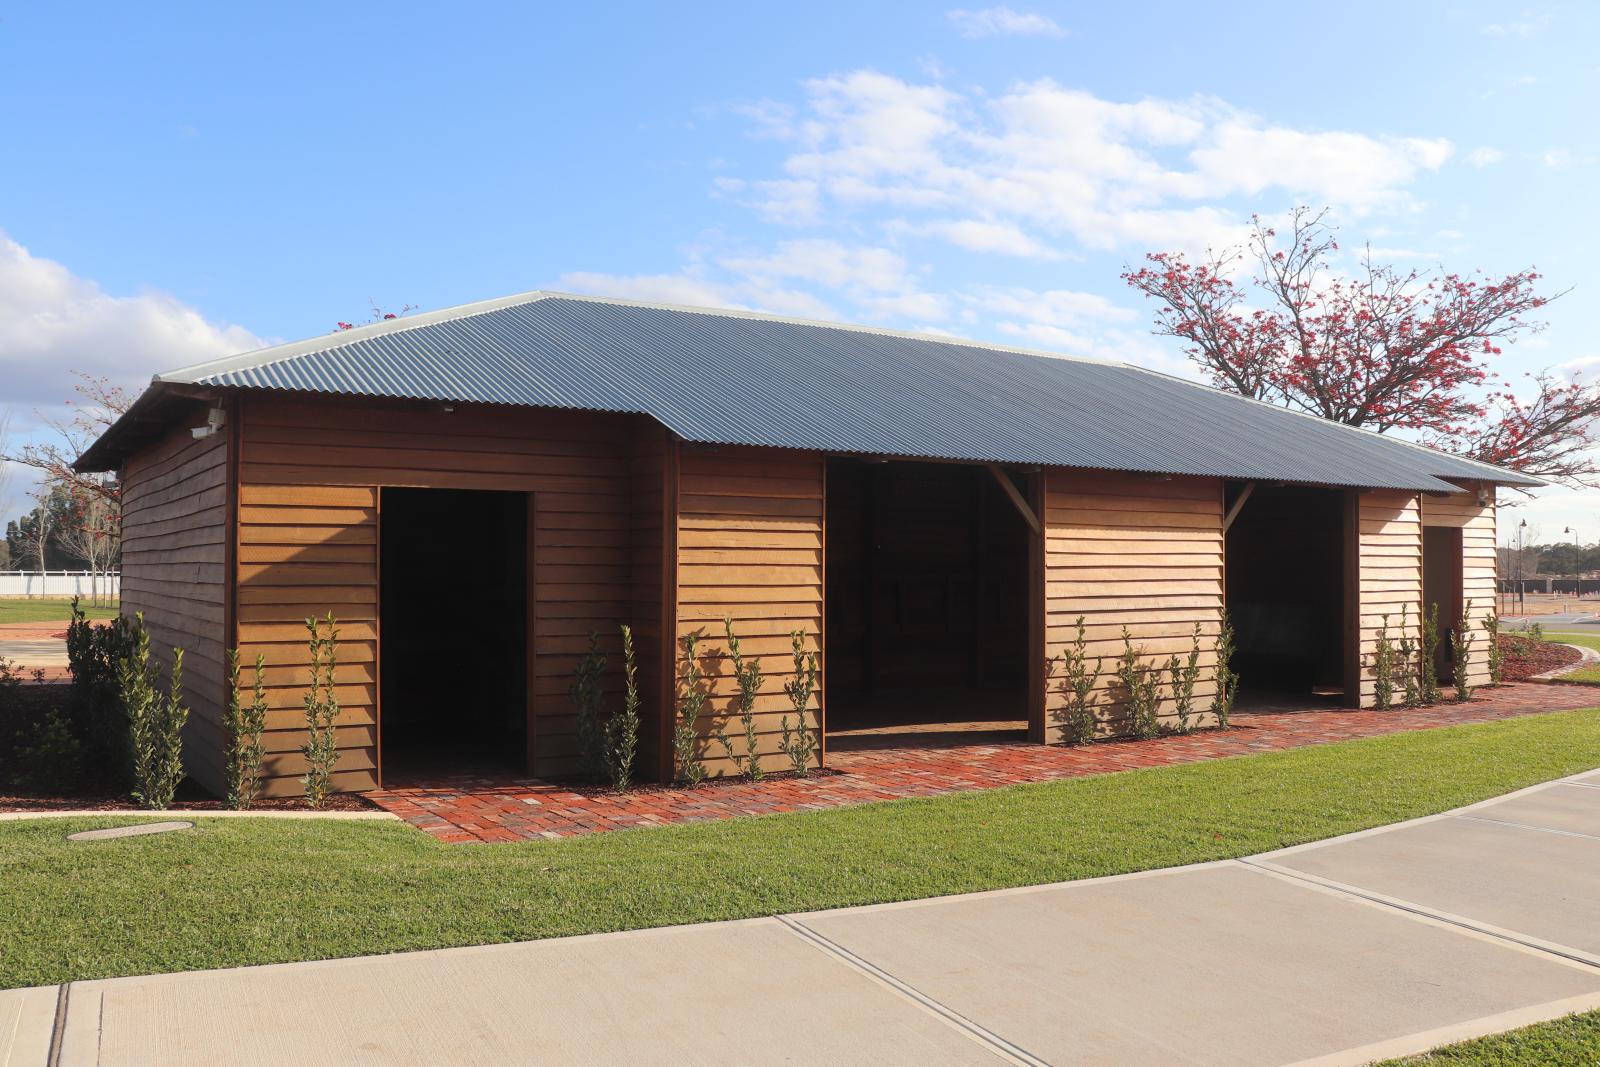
(1239, 962)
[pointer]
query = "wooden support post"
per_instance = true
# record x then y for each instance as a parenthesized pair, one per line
(1233, 512)
(1016, 498)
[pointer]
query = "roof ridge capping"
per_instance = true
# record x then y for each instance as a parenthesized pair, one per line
(259, 357)
(1516, 477)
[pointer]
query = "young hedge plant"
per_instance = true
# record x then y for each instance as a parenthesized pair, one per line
(622, 729)
(1497, 655)
(1461, 653)
(1407, 662)
(1428, 685)
(1077, 685)
(244, 724)
(800, 744)
(1383, 668)
(321, 748)
(748, 677)
(693, 694)
(1185, 674)
(1227, 681)
(1142, 690)
(155, 722)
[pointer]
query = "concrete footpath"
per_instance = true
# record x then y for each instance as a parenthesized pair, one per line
(1378, 944)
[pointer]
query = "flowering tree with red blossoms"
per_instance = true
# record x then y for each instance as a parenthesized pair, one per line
(1385, 350)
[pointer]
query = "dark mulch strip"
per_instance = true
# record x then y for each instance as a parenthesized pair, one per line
(190, 798)
(30, 706)
(1525, 657)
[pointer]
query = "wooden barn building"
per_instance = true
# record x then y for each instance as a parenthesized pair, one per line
(473, 492)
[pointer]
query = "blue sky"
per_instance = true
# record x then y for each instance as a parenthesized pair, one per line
(182, 181)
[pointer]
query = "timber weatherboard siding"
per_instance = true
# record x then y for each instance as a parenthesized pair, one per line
(311, 474)
(1389, 575)
(628, 524)
(1136, 551)
(750, 536)
(174, 562)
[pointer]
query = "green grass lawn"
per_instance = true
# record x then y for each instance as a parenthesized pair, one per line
(1589, 675)
(1572, 1040)
(47, 611)
(245, 891)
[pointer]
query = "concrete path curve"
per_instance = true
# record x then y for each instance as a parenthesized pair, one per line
(1377, 944)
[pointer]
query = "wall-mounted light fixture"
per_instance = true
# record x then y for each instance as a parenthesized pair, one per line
(214, 420)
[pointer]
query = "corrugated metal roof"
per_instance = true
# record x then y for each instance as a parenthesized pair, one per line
(725, 377)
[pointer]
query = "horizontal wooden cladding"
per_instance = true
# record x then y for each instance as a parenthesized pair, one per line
(1389, 554)
(175, 532)
(313, 471)
(749, 548)
(1134, 551)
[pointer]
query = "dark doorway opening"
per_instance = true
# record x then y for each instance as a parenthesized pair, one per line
(453, 631)
(927, 603)
(1442, 586)
(1286, 595)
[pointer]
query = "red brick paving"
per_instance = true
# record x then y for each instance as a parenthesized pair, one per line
(464, 808)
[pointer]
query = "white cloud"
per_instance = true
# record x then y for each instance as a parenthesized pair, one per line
(829, 263)
(1485, 156)
(1556, 158)
(1528, 25)
(1004, 22)
(979, 235)
(1041, 165)
(54, 323)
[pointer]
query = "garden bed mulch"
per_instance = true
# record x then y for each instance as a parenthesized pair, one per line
(1525, 657)
(32, 704)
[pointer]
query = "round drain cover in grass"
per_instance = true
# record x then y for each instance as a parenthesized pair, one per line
(136, 830)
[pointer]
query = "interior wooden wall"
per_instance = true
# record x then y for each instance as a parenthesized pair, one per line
(750, 547)
(174, 552)
(1136, 551)
(311, 470)
(1479, 565)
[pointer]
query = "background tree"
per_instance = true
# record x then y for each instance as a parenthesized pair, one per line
(1387, 349)
(79, 514)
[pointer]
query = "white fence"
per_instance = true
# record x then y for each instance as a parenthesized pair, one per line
(58, 583)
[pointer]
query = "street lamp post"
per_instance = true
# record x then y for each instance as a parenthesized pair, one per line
(1522, 528)
(1577, 564)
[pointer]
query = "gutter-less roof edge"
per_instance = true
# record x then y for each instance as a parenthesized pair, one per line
(1493, 473)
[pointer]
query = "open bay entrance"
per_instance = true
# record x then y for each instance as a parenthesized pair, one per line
(1286, 590)
(453, 631)
(927, 602)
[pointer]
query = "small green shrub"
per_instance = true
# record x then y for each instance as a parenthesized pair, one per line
(692, 696)
(748, 677)
(155, 722)
(1078, 680)
(48, 757)
(1497, 655)
(244, 724)
(1407, 662)
(1227, 681)
(622, 729)
(1383, 668)
(1461, 654)
(1428, 669)
(1536, 631)
(588, 702)
(94, 707)
(800, 744)
(1185, 673)
(321, 748)
(1141, 687)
